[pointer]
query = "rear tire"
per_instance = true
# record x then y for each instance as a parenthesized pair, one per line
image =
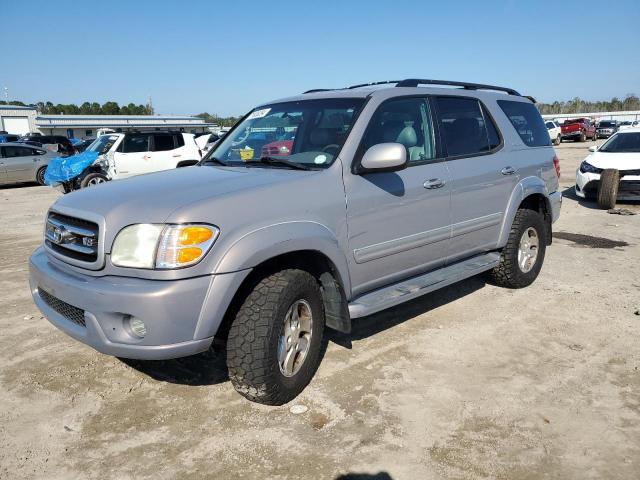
(40, 175)
(514, 271)
(558, 140)
(608, 188)
(583, 137)
(262, 338)
(93, 179)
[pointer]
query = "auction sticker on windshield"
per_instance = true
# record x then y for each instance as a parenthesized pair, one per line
(259, 113)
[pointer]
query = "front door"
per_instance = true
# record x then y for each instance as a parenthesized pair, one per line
(398, 222)
(482, 174)
(133, 155)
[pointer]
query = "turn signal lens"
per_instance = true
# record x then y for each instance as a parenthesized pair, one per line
(189, 254)
(184, 245)
(195, 235)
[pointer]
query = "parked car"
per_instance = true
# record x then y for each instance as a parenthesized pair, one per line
(578, 129)
(629, 124)
(606, 128)
(120, 155)
(612, 171)
(555, 131)
(386, 194)
(23, 163)
(8, 137)
(55, 143)
(206, 141)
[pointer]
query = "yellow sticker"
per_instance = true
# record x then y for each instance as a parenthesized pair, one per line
(246, 154)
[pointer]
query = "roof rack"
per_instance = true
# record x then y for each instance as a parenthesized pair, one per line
(414, 82)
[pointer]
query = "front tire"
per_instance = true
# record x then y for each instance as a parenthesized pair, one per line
(522, 257)
(274, 343)
(608, 188)
(583, 137)
(93, 179)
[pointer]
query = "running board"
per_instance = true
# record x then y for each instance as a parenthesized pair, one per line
(395, 294)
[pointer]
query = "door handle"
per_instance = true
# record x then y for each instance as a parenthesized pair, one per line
(433, 183)
(508, 171)
(176, 155)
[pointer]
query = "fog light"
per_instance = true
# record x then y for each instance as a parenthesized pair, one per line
(137, 326)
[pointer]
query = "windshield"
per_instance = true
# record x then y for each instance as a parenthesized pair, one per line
(309, 132)
(102, 144)
(622, 143)
(607, 124)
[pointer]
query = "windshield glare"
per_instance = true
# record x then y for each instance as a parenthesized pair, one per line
(622, 143)
(102, 144)
(308, 132)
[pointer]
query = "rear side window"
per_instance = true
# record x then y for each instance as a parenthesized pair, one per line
(135, 143)
(10, 152)
(466, 127)
(162, 142)
(526, 119)
(179, 140)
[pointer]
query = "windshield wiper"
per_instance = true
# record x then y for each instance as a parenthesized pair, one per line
(282, 161)
(215, 160)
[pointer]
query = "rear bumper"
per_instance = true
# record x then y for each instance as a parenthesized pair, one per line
(181, 316)
(571, 135)
(555, 199)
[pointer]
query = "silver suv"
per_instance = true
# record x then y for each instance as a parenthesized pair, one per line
(313, 211)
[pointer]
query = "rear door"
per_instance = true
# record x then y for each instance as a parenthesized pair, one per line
(163, 155)
(398, 222)
(482, 174)
(132, 156)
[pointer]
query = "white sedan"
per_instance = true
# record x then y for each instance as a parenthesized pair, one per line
(612, 172)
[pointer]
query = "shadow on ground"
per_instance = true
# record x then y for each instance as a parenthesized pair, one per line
(365, 476)
(209, 368)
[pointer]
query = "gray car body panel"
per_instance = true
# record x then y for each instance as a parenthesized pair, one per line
(376, 229)
(23, 169)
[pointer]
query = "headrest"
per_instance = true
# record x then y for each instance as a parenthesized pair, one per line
(408, 137)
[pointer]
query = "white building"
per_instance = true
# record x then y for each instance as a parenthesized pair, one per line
(17, 120)
(21, 120)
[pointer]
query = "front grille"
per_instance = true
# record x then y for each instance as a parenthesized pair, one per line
(71, 313)
(72, 237)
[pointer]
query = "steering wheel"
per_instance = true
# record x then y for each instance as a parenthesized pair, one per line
(331, 146)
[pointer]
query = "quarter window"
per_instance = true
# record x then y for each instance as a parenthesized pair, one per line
(526, 119)
(466, 127)
(406, 121)
(179, 140)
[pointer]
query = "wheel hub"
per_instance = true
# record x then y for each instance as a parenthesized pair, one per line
(528, 249)
(295, 339)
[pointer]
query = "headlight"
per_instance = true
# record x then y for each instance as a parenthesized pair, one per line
(162, 246)
(586, 167)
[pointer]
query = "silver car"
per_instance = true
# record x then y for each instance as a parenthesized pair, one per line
(312, 212)
(20, 162)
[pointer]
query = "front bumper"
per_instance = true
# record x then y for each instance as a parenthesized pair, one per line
(587, 186)
(181, 316)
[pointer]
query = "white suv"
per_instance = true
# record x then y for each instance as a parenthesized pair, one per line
(120, 155)
(555, 132)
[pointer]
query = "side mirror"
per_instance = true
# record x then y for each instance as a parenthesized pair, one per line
(593, 149)
(385, 157)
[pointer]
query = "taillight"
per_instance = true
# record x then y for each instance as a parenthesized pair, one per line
(556, 165)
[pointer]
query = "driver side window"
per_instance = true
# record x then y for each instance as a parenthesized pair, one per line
(406, 121)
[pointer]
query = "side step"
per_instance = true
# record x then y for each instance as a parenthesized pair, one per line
(393, 295)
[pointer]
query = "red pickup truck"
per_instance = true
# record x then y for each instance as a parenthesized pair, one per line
(578, 129)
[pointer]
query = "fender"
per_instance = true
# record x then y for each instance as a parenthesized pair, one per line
(525, 187)
(264, 243)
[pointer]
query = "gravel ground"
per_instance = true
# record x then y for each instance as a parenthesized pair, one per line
(472, 381)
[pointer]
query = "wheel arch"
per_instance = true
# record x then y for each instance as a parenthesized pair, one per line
(532, 193)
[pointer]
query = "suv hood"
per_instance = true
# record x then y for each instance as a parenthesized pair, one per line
(621, 161)
(153, 197)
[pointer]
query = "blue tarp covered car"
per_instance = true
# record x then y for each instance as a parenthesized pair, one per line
(63, 169)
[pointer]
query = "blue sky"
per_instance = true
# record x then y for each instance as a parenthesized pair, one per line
(225, 57)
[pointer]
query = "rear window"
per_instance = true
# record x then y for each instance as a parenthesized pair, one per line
(526, 119)
(466, 126)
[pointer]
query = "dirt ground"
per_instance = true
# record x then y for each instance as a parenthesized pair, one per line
(472, 381)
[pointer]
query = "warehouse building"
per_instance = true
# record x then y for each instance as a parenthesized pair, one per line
(17, 120)
(87, 126)
(22, 120)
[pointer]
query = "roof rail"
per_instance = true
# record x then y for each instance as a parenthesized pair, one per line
(414, 82)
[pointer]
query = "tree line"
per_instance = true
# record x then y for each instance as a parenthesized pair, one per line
(577, 105)
(221, 121)
(87, 108)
